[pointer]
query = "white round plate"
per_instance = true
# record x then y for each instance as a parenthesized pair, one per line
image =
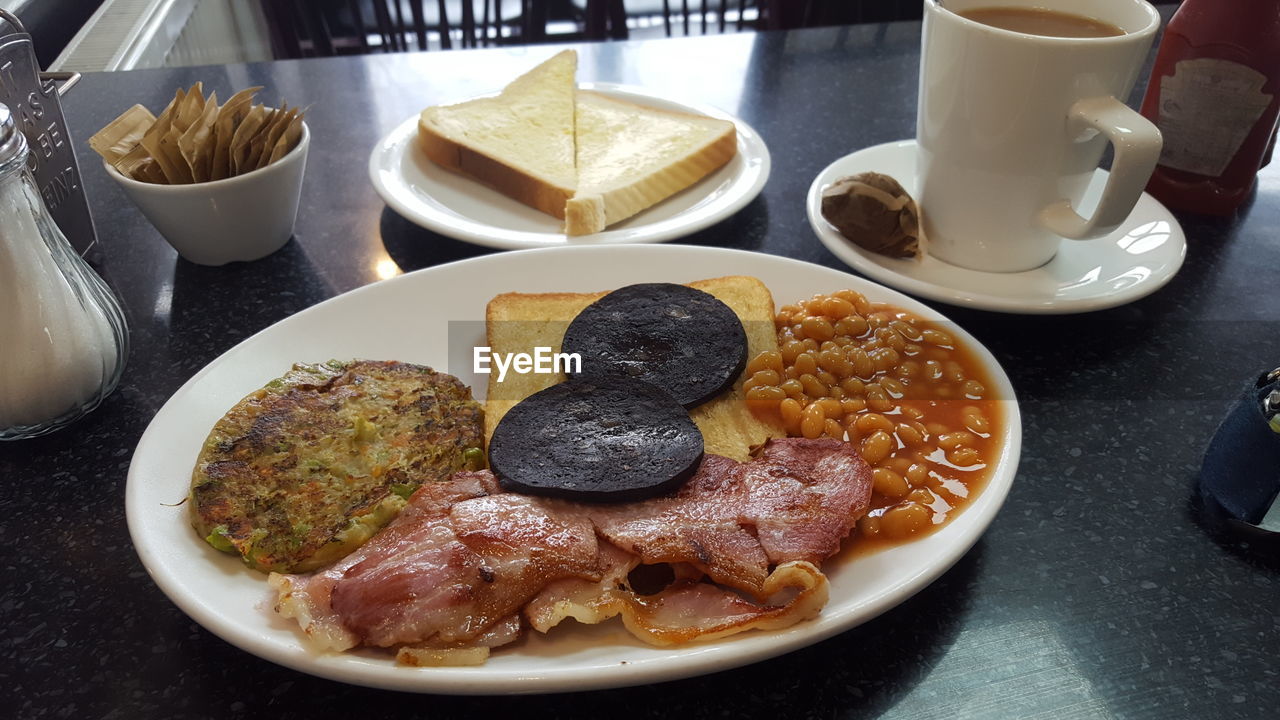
(1132, 262)
(463, 209)
(447, 307)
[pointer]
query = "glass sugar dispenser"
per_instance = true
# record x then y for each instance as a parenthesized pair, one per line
(63, 338)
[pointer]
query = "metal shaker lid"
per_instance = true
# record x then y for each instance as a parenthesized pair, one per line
(7, 128)
(12, 142)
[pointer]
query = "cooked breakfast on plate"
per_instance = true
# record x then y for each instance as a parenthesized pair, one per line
(661, 482)
(584, 157)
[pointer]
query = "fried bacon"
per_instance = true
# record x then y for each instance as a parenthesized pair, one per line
(449, 578)
(437, 574)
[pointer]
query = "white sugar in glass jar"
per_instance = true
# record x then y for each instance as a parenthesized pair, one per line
(63, 339)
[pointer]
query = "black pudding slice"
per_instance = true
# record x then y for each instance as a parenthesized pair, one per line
(685, 341)
(596, 440)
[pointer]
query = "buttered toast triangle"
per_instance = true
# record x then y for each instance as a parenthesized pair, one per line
(521, 142)
(631, 157)
(520, 322)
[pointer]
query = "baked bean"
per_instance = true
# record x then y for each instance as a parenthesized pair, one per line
(937, 337)
(935, 429)
(812, 386)
(876, 447)
(830, 407)
(813, 421)
(863, 366)
(826, 378)
(837, 308)
(765, 398)
(933, 370)
(818, 327)
(895, 388)
(974, 420)
(829, 359)
(806, 363)
(908, 369)
(791, 412)
(952, 371)
(791, 350)
(852, 326)
(905, 520)
(964, 456)
(853, 405)
(917, 474)
(792, 386)
(953, 440)
(763, 377)
(852, 386)
(897, 464)
(870, 422)
(974, 390)
(833, 429)
(767, 360)
(909, 436)
(889, 483)
(886, 359)
(878, 399)
(906, 330)
(869, 526)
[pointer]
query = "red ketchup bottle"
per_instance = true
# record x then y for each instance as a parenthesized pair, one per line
(1215, 94)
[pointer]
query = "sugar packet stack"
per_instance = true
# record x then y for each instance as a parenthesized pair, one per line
(197, 140)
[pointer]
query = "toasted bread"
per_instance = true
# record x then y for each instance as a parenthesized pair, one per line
(520, 142)
(631, 157)
(519, 322)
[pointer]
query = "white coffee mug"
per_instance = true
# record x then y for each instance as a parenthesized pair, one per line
(1011, 127)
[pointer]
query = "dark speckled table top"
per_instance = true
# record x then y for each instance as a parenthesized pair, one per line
(1098, 592)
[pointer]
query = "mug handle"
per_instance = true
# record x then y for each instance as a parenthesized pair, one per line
(1137, 148)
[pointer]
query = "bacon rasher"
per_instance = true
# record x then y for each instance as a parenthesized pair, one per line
(446, 578)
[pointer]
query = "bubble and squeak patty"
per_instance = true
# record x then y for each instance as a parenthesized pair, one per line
(303, 471)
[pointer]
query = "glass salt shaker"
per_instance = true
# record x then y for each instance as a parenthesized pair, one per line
(63, 338)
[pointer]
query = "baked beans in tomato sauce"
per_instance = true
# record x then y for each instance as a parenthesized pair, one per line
(916, 404)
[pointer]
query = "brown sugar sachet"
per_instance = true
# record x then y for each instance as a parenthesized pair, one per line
(197, 140)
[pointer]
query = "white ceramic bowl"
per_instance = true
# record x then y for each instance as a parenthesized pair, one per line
(246, 217)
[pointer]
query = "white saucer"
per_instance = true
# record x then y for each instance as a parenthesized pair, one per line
(1132, 262)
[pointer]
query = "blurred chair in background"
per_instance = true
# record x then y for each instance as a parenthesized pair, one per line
(787, 14)
(685, 17)
(310, 28)
(307, 28)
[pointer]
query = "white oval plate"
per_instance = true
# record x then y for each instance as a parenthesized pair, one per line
(463, 209)
(1143, 254)
(412, 318)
